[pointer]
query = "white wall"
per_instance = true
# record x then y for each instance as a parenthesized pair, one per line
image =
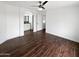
(63, 22)
(15, 17)
(35, 25)
(21, 21)
(2, 23)
(11, 22)
(39, 21)
(12, 14)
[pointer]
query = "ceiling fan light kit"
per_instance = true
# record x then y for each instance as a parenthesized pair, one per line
(40, 9)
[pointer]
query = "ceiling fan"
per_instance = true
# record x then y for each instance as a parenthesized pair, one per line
(41, 5)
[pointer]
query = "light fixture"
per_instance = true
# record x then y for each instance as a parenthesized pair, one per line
(40, 9)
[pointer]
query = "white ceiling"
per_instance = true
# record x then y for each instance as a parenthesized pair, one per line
(56, 4)
(50, 4)
(26, 4)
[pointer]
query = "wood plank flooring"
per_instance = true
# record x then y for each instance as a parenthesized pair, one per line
(39, 44)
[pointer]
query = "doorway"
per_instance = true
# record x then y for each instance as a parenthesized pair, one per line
(28, 21)
(44, 22)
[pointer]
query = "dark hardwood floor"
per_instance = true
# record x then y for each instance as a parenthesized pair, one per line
(39, 44)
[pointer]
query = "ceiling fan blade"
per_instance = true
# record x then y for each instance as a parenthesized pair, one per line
(44, 3)
(43, 7)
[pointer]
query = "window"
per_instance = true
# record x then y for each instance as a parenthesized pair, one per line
(26, 19)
